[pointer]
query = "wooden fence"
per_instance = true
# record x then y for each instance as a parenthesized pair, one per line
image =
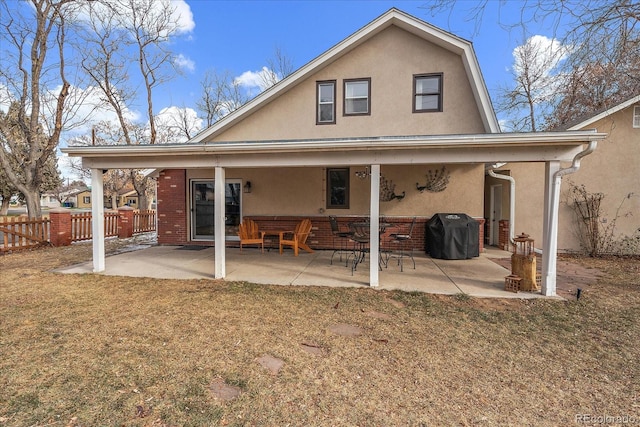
(18, 233)
(23, 233)
(144, 221)
(81, 225)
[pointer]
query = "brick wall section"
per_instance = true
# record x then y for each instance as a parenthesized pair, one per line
(60, 227)
(172, 210)
(321, 237)
(125, 222)
(503, 235)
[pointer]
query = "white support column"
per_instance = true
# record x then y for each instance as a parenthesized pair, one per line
(97, 219)
(550, 227)
(374, 214)
(219, 222)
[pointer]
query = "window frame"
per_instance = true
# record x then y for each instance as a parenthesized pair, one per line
(318, 104)
(345, 82)
(439, 93)
(329, 192)
(636, 117)
(86, 199)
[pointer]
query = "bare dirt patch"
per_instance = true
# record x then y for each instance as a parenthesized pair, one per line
(100, 350)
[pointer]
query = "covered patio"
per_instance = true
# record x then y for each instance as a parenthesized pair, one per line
(551, 148)
(478, 277)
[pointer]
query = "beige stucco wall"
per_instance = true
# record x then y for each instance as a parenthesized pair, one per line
(301, 191)
(529, 206)
(613, 169)
(390, 59)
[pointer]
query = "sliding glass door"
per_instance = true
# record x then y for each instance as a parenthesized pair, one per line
(202, 204)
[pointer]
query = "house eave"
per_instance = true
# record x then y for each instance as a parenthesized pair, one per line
(476, 148)
(605, 113)
(343, 144)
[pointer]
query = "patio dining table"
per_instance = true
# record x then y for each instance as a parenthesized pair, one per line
(361, 238)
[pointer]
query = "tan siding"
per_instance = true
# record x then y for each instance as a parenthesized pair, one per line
(613, 169)
(390, 59)
(301, 191)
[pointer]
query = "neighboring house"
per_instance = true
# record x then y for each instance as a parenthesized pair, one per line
(128, 197)
(83, 199)
(49, 200)
(613, 169)
(395, 122)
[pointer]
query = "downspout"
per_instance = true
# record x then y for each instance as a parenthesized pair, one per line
(557, 181)
(549, 257)
(512, 199)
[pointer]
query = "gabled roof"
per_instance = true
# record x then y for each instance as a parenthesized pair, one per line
(395, 17)
(605, 113)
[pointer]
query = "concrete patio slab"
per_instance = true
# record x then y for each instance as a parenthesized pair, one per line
(479, 277)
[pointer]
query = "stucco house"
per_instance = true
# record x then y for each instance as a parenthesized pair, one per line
(613, 169)
(395, 122)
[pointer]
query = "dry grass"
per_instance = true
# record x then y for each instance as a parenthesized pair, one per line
(97, 350)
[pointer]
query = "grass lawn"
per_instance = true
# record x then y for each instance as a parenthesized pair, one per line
(91, 350)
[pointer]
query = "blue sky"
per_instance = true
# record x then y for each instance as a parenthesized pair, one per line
(240, 36)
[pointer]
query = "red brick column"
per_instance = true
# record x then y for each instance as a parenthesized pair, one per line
(125, 222)
(60, 227)
(481, 222)
(504, 241)
(172, 207)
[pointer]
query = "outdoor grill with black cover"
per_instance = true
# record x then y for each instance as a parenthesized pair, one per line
(452, 236)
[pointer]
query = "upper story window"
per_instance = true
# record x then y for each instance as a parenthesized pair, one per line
(357, 96)
(326, 106)
(337, 188)
(86, 199)
(427, 92)
(636, 116)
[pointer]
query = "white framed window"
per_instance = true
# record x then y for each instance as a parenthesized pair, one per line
(636, 116)
(427, 93)
(326, 102)
(357, 99)
(86, 200)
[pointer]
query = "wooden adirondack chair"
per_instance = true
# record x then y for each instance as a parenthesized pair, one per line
(297, 239)
(250, 235)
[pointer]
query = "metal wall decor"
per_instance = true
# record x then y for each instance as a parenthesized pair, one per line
(437, 181)
(387, 190)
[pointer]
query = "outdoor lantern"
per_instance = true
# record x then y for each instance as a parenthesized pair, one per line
(247, 187)
(523, 245)
(523, 263)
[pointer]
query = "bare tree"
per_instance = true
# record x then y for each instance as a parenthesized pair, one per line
(130, 32)
(29, 74)
(602, 67)
(278, 67)
(535, 83)
(222, 93)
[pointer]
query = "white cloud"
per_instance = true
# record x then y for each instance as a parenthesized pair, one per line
(174, 123)
(255, 79)
(542, 53)
(6, 98)
(186, 24)
(181, 16)
(184, 63)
